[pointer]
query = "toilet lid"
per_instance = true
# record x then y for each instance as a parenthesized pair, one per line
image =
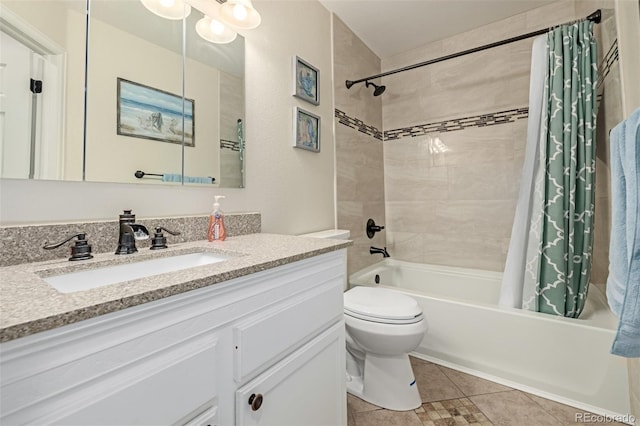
(380, 303)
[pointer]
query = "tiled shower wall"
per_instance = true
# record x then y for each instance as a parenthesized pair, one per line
(232, 96)
(359, 156)
(454, 142)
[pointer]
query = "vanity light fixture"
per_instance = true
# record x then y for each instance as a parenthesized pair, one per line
(240, 14)
(169, 9)
(218, 21)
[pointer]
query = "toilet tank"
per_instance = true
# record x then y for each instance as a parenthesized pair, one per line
(336, 234)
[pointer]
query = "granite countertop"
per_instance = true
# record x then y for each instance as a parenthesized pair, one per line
(30, 305)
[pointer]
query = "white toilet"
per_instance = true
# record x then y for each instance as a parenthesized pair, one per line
(382, 327)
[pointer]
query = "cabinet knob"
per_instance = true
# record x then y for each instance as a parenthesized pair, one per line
(255, 401)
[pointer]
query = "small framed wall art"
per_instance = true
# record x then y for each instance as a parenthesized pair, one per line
(306, 130)
(306, 81)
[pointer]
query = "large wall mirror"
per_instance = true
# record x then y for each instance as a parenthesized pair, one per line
(159, 98)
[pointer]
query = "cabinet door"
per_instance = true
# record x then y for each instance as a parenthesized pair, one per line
(160, 397)
(158, 390)
(258, 341)
(306, 388)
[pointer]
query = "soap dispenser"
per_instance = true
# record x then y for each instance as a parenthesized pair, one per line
(216, 230)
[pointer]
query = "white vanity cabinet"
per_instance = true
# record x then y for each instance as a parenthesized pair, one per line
(193, 359)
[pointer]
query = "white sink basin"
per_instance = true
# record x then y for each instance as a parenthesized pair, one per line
(93, 278)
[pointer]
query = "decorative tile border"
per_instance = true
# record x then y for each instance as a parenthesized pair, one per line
(357, 124)
(232, 145)
(483, 120)
(455, 124)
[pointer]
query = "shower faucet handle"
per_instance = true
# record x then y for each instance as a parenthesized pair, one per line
(372, 228)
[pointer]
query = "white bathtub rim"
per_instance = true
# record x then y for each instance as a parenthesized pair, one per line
(520, 386)
(355, 279)
(445, 269)
(577, 322)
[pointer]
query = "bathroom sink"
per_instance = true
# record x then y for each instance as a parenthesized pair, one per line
(98, 277)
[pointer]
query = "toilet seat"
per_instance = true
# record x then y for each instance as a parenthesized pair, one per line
(381, 305)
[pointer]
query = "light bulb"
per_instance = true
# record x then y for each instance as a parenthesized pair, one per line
(168, 9)
(240, 12)
(216, 27)
(215, 31)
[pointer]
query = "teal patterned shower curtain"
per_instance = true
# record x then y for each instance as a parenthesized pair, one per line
(559, 263)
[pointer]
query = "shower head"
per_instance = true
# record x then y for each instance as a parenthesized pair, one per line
(378, 90)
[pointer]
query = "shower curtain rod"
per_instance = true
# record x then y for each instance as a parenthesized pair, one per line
(595, 17)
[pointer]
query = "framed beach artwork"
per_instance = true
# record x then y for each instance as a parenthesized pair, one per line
(149, 113)
(306, 130)
(306, 81)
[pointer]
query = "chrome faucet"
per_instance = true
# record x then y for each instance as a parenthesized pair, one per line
(382, 251)
(129, 233)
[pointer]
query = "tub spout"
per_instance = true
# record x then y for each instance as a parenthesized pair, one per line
(383, 251)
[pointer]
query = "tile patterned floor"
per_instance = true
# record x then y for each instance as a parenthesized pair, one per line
(451, 398)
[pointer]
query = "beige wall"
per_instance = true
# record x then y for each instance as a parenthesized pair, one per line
(48, 16)
(359, 158)
(294, 189)
(628, 22)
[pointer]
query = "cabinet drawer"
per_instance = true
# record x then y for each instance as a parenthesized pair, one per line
(307, 388)
(257, 346)
(155, 389)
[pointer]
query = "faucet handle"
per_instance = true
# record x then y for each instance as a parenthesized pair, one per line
(159, 241)
(81, 250)
(372, 228)
(127, 217)
(159, 229)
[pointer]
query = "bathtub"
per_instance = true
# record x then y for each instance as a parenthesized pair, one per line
(563, 359)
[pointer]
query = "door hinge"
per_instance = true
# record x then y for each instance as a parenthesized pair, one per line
(36, 86)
